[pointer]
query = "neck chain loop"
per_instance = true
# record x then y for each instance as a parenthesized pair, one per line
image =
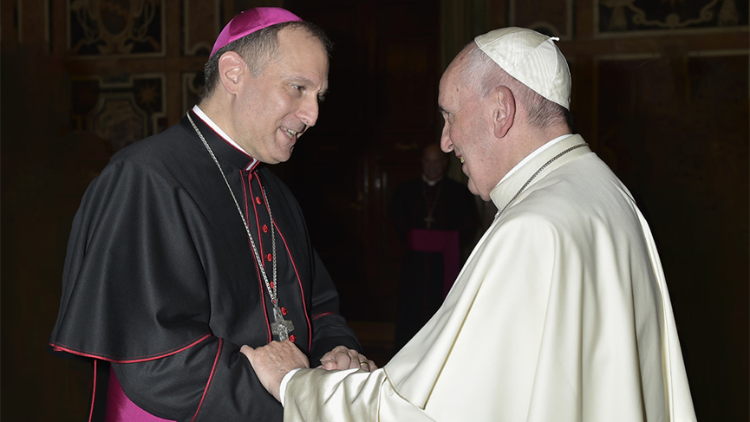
(272, 287)
(533, 176)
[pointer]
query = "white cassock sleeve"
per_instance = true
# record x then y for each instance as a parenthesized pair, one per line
(560, 314)
(474, 360)
(351, 395)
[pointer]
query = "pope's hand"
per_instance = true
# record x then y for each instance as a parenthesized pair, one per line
(342, 358)
(274, 360)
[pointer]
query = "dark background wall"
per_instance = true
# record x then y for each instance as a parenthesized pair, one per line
(660, 92)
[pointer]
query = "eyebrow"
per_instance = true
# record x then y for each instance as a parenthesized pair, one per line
(307, 82)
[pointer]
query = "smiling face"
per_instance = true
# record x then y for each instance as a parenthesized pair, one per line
(468, 132)
(274, 109)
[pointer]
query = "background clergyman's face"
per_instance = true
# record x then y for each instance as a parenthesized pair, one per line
(434, 163)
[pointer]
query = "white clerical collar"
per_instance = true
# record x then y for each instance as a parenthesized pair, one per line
(532, 155)
(431, 182)
(197, 110)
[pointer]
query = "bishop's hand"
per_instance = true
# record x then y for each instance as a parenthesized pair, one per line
(274, 360)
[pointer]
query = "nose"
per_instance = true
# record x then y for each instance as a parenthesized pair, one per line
(308, 113)
(445, 140)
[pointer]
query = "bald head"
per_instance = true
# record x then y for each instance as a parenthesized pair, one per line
(434, 162)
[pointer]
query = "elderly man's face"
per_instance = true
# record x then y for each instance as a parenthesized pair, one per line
(467, 132)
(276, 107)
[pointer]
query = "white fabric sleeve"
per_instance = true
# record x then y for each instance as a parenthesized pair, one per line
(349, 395)
(284, 381)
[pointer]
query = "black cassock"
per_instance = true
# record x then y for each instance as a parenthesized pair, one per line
(160, 279)
(423, 279)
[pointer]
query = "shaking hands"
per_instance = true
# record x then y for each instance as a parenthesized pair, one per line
(274, 360)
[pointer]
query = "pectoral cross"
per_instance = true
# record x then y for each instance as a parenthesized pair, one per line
(429, 220)
(281, 327)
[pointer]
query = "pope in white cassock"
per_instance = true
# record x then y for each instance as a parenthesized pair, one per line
(561, 312)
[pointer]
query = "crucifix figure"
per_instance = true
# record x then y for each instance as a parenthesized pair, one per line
(429, 220)
(281, 327)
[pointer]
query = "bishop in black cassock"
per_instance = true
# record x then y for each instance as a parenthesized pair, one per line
(435, 218)
(162, 285)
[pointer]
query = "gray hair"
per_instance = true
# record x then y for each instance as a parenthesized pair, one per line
(482, 74)
(257, 50)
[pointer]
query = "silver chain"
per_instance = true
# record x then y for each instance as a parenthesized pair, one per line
(430, 209)
(272, 288)
(533, 176)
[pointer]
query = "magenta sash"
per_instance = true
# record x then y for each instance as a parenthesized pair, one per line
(121, 409)
(442, 241)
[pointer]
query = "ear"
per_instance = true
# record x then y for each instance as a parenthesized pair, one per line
(504, 110)
(232, 68)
